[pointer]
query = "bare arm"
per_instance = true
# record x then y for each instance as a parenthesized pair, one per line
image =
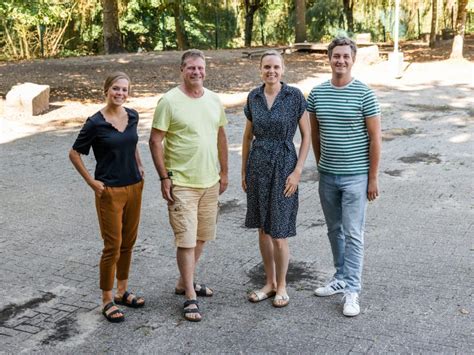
(315, 136)
(246, 142)
(139, 163)
(76, 159)
(157, 153)
(293, 180)
(223, 154)
(375, 151)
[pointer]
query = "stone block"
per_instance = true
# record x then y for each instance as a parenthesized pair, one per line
(29, 98)
(368, 55)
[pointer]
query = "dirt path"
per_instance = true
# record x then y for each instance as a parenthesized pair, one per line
(76, 82)
(80, 78)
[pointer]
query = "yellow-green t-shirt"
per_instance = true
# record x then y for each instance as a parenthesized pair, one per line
(190, 144)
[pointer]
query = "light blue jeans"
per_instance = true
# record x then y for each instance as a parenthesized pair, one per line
(344, 202)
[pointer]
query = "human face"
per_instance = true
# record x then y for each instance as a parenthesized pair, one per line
(194, 72)
(117, 94)
(271, 69)
(342, 61)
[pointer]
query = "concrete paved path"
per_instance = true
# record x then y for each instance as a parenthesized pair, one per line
(418, 272)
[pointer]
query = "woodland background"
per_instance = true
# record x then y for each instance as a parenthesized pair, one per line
(60, 28)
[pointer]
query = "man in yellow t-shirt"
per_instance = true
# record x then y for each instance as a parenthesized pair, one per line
(189, 149)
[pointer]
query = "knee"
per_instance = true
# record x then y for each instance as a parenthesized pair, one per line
(111, 253)
(334, 228)
(126, 247)
(263, 236)
(280, 244)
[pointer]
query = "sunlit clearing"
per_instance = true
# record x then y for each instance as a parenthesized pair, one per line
(236, 148)
(460, 138)
(229, 100)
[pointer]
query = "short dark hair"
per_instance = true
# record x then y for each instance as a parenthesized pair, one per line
(342, 41)
(192, 53)
(113, 77)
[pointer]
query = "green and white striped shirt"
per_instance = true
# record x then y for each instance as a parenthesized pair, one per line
(341, 114)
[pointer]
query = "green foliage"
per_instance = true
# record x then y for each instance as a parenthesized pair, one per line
(273, 25)
(140, 24)
(150, 25)
(325, 19)
(28, 28)
(75, 27)
(209, 25)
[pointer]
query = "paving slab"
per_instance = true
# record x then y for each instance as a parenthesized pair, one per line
(417, 296)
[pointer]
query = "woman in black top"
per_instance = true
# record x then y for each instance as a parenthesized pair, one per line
(118, 184)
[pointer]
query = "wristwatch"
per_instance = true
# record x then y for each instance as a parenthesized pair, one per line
(168, 176)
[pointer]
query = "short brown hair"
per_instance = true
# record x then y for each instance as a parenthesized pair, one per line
(192, 53)
(342, 41)
(113, 77)
(272, 52)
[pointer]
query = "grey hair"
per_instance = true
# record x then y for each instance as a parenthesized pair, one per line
(342, 41)
(191, 53)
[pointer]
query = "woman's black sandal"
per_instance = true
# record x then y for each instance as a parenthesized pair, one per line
(187, 311)
(109, 315)
(133, 303)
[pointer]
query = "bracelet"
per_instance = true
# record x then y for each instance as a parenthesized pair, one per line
(169, 174)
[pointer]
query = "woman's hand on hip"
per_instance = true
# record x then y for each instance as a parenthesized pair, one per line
(97, 186)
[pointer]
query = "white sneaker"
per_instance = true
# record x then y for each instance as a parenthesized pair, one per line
(331, 288)
(351, 304)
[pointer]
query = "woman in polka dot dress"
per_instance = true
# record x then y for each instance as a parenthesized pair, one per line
(271, 171)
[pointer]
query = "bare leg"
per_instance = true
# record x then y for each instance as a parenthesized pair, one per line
(197, 254)
(122, 287)
(282, 256)
(107, 297)
(266, 251)
(198, 250)
(186, 265)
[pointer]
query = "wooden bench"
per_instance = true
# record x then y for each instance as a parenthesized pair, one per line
(258, 52)
(311, 47)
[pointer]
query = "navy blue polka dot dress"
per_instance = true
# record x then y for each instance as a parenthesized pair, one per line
(272, 158)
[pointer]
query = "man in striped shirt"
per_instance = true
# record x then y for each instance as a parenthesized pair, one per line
(346, 135)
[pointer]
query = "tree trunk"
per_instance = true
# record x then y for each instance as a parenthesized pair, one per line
(112, 37)
(300, 28)
(348, 11)
(180, 34)
(251, 6)
(26, 46)
(10, 41)
(434, 20)
(458, 42)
